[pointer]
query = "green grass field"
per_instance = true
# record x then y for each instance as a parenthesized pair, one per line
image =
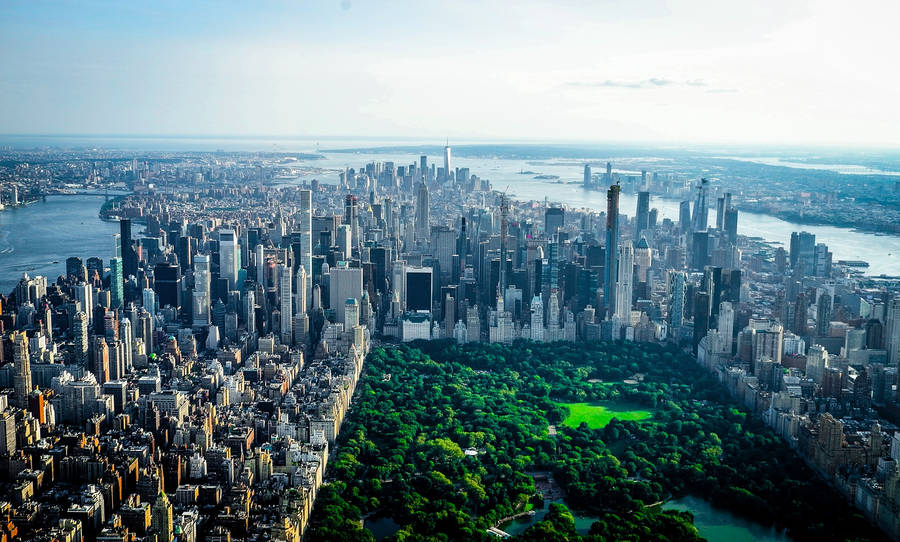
(597, 415)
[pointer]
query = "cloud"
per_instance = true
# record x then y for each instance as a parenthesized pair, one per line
(652, 82)
(610, 83)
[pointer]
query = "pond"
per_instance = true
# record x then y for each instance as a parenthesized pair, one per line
(718, 525)
(518, 526)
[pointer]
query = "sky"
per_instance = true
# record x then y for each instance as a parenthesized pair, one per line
(714, 71)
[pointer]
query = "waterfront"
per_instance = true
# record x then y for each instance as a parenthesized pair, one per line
(882, 252)
(37, 239)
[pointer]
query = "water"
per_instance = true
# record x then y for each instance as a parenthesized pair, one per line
(382, 527)
(520, 525)
(717, 525)
(35, 236)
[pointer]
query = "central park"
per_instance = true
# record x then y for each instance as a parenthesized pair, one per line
(562, 441)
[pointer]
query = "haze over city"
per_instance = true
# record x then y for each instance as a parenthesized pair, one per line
(804, 72)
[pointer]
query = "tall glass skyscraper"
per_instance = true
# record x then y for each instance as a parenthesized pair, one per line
(612, 248)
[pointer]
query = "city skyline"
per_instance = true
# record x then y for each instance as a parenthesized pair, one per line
(683, 72)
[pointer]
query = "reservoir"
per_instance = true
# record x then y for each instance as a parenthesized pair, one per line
(717, 525)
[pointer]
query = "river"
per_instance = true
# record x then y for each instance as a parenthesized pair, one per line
(37, 239)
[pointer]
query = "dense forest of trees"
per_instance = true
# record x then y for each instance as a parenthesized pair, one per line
(402, 452)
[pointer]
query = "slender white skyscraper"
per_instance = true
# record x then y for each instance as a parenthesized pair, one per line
(447, 174)
(228, 257)
(344, 241)
(250, 311)
(285, 299)
(305, 226)
(306, 231)
(126, 336)
(201, 297)
(300, 303)
(624, 282)
(260, 264)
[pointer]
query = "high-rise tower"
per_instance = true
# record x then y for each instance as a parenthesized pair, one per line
(624, 282)
(700, 218)
(351, 218)
(447, 174)
(229, 255)
(642, 217)
(612, 248)
(201, 296)
(21, 368)
(504, 232)
(116, 284)
(423, 213)
(285, 299)
(129, 255)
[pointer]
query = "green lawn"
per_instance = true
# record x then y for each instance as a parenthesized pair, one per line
(597, 415)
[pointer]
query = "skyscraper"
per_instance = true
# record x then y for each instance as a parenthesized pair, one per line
(587, 176)
(423, 216)
(803, 253)
(306, 230)
(129, 254)
(167, 284)
(447, 174)
(300, 302)
(84, 294)
(684, 216)
(149, 301)
(100, 367)
(161, 518)
(700, 249)
(554, 220)
(612, 247)
(419, 283)
(80, 337)
(731, 223)
(642, 217)
(21, 368)
(504, 233)
(201, 295)
(725, 324)
(700, 218)
(228, 257)
(116, 284)
(537, 318)
(351, 218)
(891, 336)
(345, 282)
(285, 299)
(624, 282)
